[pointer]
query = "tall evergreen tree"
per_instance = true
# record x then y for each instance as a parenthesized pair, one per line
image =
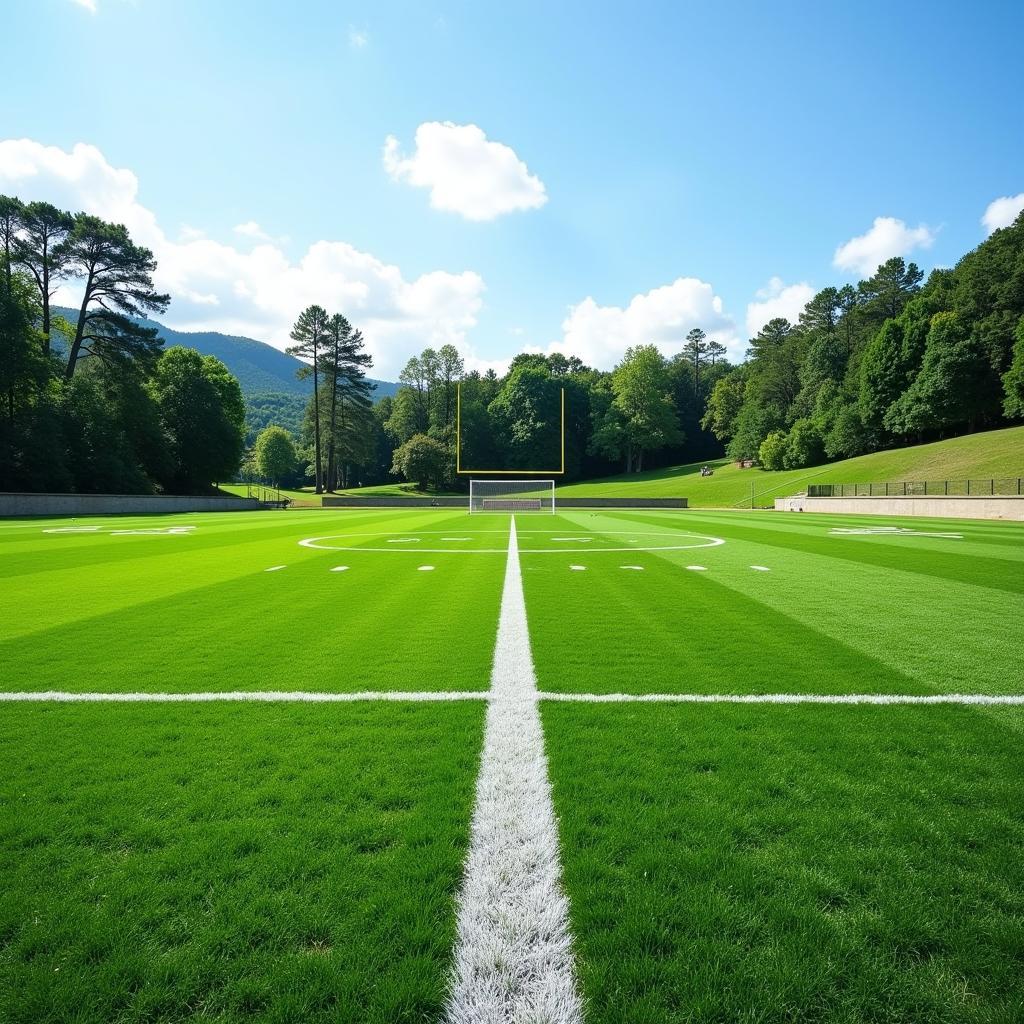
(347, 391)
(118, 290)
(310, 335)
(11, 212)
(890, 288)
(696, 348)
(40, 248)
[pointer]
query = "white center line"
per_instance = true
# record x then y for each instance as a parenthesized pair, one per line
(513, 955)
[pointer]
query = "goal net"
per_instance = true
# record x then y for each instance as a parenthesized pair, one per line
(511, 496)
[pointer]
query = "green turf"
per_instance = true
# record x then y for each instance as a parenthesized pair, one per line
(275, 862)
(96, 611)
(793, 864)
(833, 615)
(995, 453)
(272, 863)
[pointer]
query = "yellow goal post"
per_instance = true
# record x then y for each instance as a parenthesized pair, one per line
(465, 471)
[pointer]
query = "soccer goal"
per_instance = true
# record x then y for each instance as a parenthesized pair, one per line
(511, 496)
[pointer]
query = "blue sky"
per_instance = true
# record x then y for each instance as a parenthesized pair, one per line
(658, 167)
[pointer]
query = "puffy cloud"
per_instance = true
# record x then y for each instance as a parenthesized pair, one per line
(465, 172)
(357, 37)
(888, 237)
(89, 5)
(260, 291)
(775, 300)
(250, 229)
(599, 335)
(1002, 212)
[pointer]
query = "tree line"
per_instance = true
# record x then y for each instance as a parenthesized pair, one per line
(649, 407)
(892, 361)
(95, 404)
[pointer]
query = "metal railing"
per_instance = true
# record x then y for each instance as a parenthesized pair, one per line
(992, 486)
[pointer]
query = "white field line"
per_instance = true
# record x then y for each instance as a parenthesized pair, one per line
(397, 696)
(513, 954)
(783, 698)
(229, 696)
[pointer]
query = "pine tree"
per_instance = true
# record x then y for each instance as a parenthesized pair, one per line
(696, 347)
(310, 335)
(118, 291)
(40, 248)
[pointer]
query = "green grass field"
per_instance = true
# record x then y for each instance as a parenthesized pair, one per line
(296, 861)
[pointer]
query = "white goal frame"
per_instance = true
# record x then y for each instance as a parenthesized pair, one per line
(511, 496)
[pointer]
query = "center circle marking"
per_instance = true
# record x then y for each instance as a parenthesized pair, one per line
(697, 540)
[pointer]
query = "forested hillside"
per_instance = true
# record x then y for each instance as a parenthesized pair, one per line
(889, 362)
(886, 364)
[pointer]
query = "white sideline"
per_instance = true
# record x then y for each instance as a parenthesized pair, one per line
(530, 697)
(513, 953)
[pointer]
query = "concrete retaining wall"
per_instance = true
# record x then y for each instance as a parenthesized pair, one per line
(620, 502)
(343, 501)
(16, 504)
(938, 507)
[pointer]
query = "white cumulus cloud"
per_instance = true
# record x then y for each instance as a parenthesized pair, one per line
(777, 299)
(887, 237)
(466, 172)
(357, 37)
(89, 5)
(1002, 212)
(257, 292)
(250, 229)
(600, 335)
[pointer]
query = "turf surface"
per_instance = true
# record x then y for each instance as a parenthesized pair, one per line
(199, 611)
(279, 862)
(273, 863)
(793, 864)
(832, 613)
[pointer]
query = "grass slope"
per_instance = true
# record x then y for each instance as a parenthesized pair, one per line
(238, 863)
(995, 453)
(299, 498)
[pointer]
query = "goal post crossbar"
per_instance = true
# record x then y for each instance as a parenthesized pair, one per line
(511, 496)
(460, 470)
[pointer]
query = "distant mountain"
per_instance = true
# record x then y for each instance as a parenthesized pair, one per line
(260, 368)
